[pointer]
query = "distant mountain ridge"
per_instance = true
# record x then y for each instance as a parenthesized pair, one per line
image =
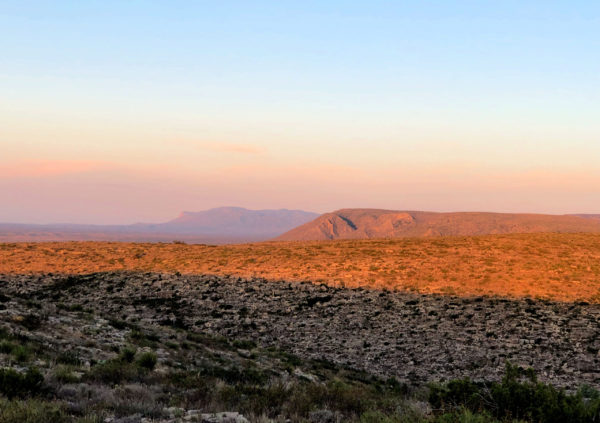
(376, 223)
(225, 225)
(215, 226)
(237, 220)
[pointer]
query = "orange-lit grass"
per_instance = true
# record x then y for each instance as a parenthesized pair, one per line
(562, 267)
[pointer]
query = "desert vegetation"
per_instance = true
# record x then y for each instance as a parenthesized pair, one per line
(563, 267)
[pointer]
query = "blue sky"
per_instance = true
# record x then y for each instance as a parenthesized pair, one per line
(303, 99)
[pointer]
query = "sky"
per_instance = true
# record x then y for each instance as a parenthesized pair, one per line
(132, 111)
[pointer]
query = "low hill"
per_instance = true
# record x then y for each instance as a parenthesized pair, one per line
(374, 223)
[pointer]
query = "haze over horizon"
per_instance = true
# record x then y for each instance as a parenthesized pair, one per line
(123, 112)
(183, 213)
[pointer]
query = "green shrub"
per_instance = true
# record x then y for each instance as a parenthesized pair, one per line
(4, 332)
(69, 357)
(253, 399)
(147, 360)
(118, 324)
(20, 353)
(457, 393)
(14, 384)
(377, 417)
(172, 345)
(127, 354)
(248, 375)
(143, 339)
(244, 344)
(72, 307)
(113, 372)
(64, 374)
(137, 334)
(349, 399)
(518, 396)
(6, 347)
(30, 321)
(465, 416)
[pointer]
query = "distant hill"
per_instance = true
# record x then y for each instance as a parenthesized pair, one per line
(236, 221)
(374, 223)
(215, 226)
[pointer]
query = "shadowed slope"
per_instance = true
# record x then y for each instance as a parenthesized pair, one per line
(373, 223)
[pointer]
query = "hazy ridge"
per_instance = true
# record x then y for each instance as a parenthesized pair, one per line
(215, 226)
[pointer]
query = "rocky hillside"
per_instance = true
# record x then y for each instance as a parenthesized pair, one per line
(373, 223)
(415, 338)
(146, 347)
(114, 348)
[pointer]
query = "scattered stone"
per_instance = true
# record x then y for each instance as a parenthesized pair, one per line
(414, 338)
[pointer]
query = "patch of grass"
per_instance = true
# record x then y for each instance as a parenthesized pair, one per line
(33, 411)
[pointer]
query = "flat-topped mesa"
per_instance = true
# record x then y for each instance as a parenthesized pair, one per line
(376, 223)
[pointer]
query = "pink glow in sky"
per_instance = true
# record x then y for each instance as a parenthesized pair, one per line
(84, 192)
(114, 113)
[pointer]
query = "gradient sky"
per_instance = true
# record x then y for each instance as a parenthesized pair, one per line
(126, 111)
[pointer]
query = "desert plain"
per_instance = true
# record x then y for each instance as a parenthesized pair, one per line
(372, 330)
(560, 267)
